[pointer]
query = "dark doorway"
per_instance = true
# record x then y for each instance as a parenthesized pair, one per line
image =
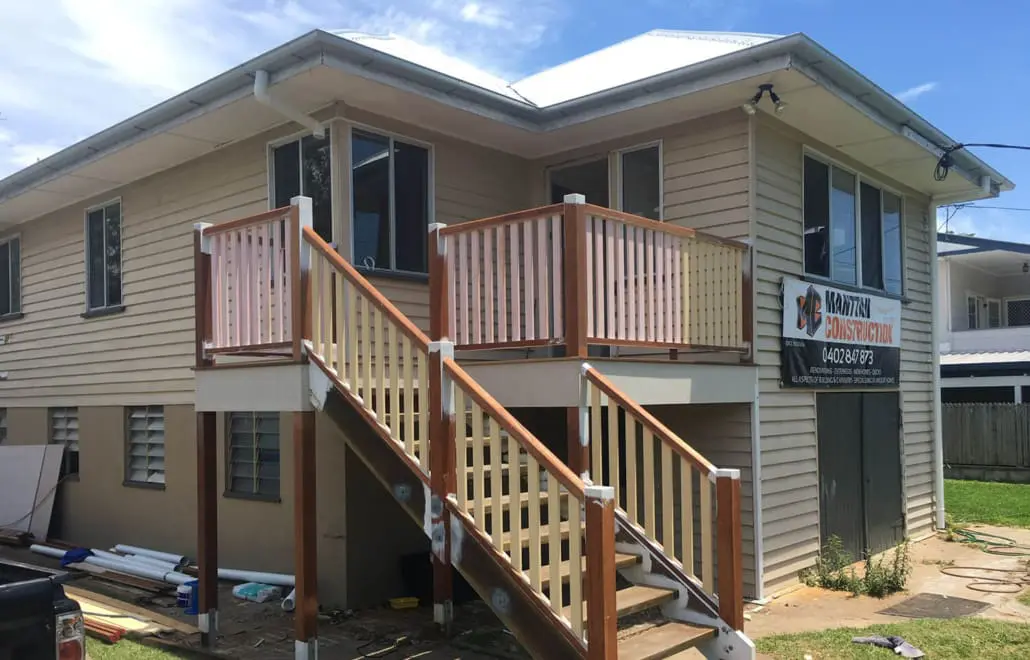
(860, 497)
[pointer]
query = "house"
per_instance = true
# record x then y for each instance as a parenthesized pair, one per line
(983, 325)
(683, 281)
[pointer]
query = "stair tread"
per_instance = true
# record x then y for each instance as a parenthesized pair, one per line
(663, 641)
(621, 561)
(545, 533)
(635, 599)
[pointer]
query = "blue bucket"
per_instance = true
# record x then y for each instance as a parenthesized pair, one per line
(192, 608)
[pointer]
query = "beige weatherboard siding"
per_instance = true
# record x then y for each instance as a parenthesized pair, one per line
(789, 449)
(144, 355)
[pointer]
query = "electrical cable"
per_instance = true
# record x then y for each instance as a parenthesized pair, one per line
(940, 172)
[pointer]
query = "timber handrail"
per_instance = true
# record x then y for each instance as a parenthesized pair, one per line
(660, 430)
(258, 219)
(517, 216)
(375, 297)
(664, 227)
(515, 429)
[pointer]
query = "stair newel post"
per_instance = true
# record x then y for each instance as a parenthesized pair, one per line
(300, 269)
(442, 477)
(575, 303)
(602, 618)
(730, 553)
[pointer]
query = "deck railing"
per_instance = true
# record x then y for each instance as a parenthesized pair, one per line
(665, 490)
(578, 274)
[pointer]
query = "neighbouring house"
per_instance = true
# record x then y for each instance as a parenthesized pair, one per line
(983, 325)
(675, 293)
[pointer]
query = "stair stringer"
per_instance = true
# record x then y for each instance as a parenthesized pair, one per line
(692, 605)
(540, 631)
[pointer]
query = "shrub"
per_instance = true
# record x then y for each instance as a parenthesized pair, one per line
(833, 570)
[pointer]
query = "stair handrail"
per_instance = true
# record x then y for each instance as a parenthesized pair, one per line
(727, 500)
(375, 297)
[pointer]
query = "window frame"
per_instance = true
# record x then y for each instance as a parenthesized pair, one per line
(126, 478)
(298, 136)
(14, 313)
(107, 307)
(860, 178)
(392, 136)
(227, 491)
(614, 160)
(73, 476)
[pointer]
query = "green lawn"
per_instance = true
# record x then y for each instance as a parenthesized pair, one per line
(1007, 505)
(939, 639)
(128, 650)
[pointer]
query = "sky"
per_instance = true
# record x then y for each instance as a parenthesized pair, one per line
(70, 68)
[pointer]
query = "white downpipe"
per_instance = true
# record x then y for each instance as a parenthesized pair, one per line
(290, 602)
(938, 433)
(149, 562)
(263, 97)
(277, 579)
(178, 560)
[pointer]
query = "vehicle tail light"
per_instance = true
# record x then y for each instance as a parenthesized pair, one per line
(71, 636)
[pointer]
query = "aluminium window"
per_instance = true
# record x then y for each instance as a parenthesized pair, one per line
(983, 312)
(304, 167)
(104, 256)
(10, 276)
(64, 430)
(852, 229)
(145, 445)
(638, 181)
(253, 464)
(390, 194)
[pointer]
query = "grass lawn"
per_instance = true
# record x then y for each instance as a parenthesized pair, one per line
(939, 639)
(1007, 505)
(128, 650)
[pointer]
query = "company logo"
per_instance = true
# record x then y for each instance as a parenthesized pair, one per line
(810, 311)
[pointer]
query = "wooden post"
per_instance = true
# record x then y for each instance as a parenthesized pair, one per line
(730, 563)
(575, 302)
(207, 526)
(602, 619)
(442, 479)
(439, 285)
(202, 312)
(300, 267)
(305, 533)
(748, 303)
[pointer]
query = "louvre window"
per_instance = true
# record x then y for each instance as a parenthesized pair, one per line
(253, 465)
(145, 463)
(64, 430)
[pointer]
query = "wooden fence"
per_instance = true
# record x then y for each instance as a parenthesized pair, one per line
(987, 441)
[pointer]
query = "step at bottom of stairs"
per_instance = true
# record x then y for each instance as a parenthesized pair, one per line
(663, 641)
(636, 599)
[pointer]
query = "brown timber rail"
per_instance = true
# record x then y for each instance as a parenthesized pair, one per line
(579, 274)
(663, 499)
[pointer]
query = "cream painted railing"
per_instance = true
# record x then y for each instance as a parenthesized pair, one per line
(374, 351)
(668, 491)
(652, 283)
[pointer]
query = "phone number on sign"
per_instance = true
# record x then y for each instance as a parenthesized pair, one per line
(835, 355)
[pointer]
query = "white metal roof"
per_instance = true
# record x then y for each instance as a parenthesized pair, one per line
(638, 58)
(984, 357)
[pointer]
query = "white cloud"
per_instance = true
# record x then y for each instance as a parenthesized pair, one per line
(912, 93)
(74, 67)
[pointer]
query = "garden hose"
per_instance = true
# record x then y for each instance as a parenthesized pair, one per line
(1010, 580)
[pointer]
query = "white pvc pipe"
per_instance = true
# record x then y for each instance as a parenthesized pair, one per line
(140, 570)
(156, 554)
(278, 579)
(290, 602)
(47, 550)
(150, 561)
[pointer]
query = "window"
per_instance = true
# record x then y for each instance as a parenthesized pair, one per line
(64, 430)
(972, 313)
(253, 463)
(10, 276)
(390, 193)
(145, 431)
(639, 181)
(104, 256)
(852, 229)
(303, 167)
(1017, 312)
(3, 425)
(983, 312)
